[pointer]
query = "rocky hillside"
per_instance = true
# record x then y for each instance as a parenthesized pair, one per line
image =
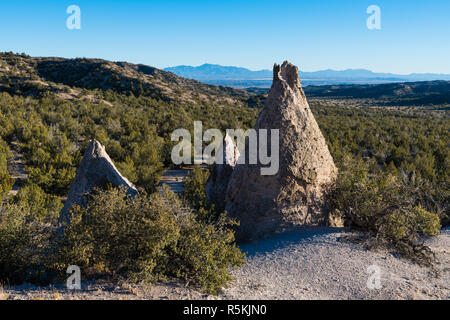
(407, 93)
(25, 75)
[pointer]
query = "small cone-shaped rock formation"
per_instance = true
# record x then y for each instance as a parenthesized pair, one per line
(295, 195)
(217, 184)
(96, 170)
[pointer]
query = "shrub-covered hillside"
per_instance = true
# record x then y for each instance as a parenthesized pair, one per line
(53, 107)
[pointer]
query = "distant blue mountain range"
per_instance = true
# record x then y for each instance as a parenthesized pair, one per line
(242, 77)
(218, 72)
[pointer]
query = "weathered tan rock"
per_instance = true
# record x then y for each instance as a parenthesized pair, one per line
(335, 219)
(217, 184)
(96, 170)
(295, 195)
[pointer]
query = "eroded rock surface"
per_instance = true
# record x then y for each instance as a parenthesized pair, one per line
(96, 170)
(217, 184)
(295, 195)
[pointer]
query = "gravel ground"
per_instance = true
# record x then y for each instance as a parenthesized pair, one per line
(313, 263)
(316, 264)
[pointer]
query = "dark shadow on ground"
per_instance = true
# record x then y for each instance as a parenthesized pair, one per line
(295, 236)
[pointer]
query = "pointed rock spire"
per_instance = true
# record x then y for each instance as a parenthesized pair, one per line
(96, 170)
(217, 184)
(295, 195)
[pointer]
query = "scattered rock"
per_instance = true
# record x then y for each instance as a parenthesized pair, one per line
(296, 194)
(96, 170)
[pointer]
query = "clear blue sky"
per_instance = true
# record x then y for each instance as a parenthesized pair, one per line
(319, 34)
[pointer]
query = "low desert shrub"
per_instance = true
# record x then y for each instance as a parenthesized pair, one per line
(6, 183)
(387, 207)
(147, 238)
(24, 245)
(194, 194)
(194, 187)
(140, 239)
(119, 236)
(204, 252)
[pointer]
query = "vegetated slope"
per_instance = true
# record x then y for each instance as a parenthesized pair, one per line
(21, 74)
(52, 107)
(407, 93)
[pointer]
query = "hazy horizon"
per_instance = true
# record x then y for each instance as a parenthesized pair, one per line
(303, 70)
(226, 66)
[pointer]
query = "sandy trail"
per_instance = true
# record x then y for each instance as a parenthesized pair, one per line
(16, 167)
(174, 179)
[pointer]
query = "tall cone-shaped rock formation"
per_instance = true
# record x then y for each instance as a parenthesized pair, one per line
(217, 184)
(96, 170)
(296, 194)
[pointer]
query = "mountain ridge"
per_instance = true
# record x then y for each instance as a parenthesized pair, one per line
(241, 77)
